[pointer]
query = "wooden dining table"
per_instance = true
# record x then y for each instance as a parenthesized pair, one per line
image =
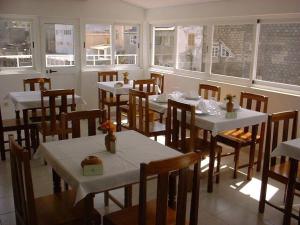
(119, 169)
(216, 122)
(27, 100)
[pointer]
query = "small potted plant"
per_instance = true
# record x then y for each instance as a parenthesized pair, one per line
(230, 113)
(125, 78)
(110, 138)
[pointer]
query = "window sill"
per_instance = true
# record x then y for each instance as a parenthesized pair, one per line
(106, 68)
(7, 72)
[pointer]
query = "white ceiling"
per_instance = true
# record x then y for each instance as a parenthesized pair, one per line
(148, 4)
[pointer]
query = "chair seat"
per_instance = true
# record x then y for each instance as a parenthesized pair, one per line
(14, 124)
(46, 129)
(234, 137)
(59, 209)
(129, 216)
(282, 169)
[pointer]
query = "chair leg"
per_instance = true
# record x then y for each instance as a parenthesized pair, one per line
(108, 112)
(263, 190)
(155, 138)
(106, 198)
(236, 161)
(218, 167)
(2, 147)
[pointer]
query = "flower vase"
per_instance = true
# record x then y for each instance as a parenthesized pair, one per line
(110, 142)
(229, 106)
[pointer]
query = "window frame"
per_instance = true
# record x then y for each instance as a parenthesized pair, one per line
(112, 65)
(35, 45)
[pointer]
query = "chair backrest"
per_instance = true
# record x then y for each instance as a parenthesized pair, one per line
(160, 80)
(210, 91)
(147, 85)
(40, 82)
(22, 184)
(107, 76)
(162, 169)
(281, 127)
(138, 115)
(180, 119)
(57, 99)
(76, 117)
(255, 102)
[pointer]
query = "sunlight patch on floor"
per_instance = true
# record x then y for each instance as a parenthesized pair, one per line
(252, 189)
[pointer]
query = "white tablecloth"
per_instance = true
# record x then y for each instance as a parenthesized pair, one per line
(289, 148)
(217, 123)
(110, 87)
(124, 90)
(32, 99)
(119, 169)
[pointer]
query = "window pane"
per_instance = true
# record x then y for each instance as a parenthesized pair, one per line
(232, 50)
(279, 53)
(190, 48)
(164, 46)
(126, 42)
(98, 44)
(15, 44)
(59, 45)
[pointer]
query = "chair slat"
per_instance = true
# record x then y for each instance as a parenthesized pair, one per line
(182, 197)
(162, 198)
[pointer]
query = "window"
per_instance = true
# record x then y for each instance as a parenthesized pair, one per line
(190, 48)
(59, 45)
(232, 50)
(279, 53)
(163, 51)
(15, 44)
(126, 44)
(98, 44)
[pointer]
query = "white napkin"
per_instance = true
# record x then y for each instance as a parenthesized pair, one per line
(162, 98)
(191, 95)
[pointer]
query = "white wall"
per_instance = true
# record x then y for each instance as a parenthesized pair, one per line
(96, 10)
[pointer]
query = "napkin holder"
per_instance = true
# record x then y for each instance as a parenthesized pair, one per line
(91, 166)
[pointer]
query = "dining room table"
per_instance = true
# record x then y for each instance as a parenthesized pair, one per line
(118, 88)
(211, 116)
(119, 169)
(27, 100)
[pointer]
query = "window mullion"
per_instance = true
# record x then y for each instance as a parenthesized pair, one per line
(113, 33)
(255, 54)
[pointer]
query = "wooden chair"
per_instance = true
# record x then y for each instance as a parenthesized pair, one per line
(48, 210)
(239, 138)
(146, 85)
(58, 104)
(281, 127)
(159, 79)
(157, 211)
(41, 82)
(177, 131)
(210, 91)
(18, 125)
(139, 115)
(105, 98)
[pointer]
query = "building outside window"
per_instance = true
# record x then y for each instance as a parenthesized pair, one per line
(15, 44)
(163, 51)
(126, 44)
(279, 53)
(59, 45)
(98, 44)
(233, 47)
(190, 48)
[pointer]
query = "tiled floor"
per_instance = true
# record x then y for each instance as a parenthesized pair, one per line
(233, 202)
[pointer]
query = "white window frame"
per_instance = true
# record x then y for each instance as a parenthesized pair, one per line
(35, 45)
(112, 66)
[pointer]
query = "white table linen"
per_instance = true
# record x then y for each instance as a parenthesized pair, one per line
(289, 148)
(118, 169)
(216, 123)
(32, 99)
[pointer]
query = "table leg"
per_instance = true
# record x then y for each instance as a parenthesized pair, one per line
(128, 196)
(56, 182)
(19, 136)
(26, 130)
(211, 163)
(118, 113)
(88, 207)
(252, 152)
